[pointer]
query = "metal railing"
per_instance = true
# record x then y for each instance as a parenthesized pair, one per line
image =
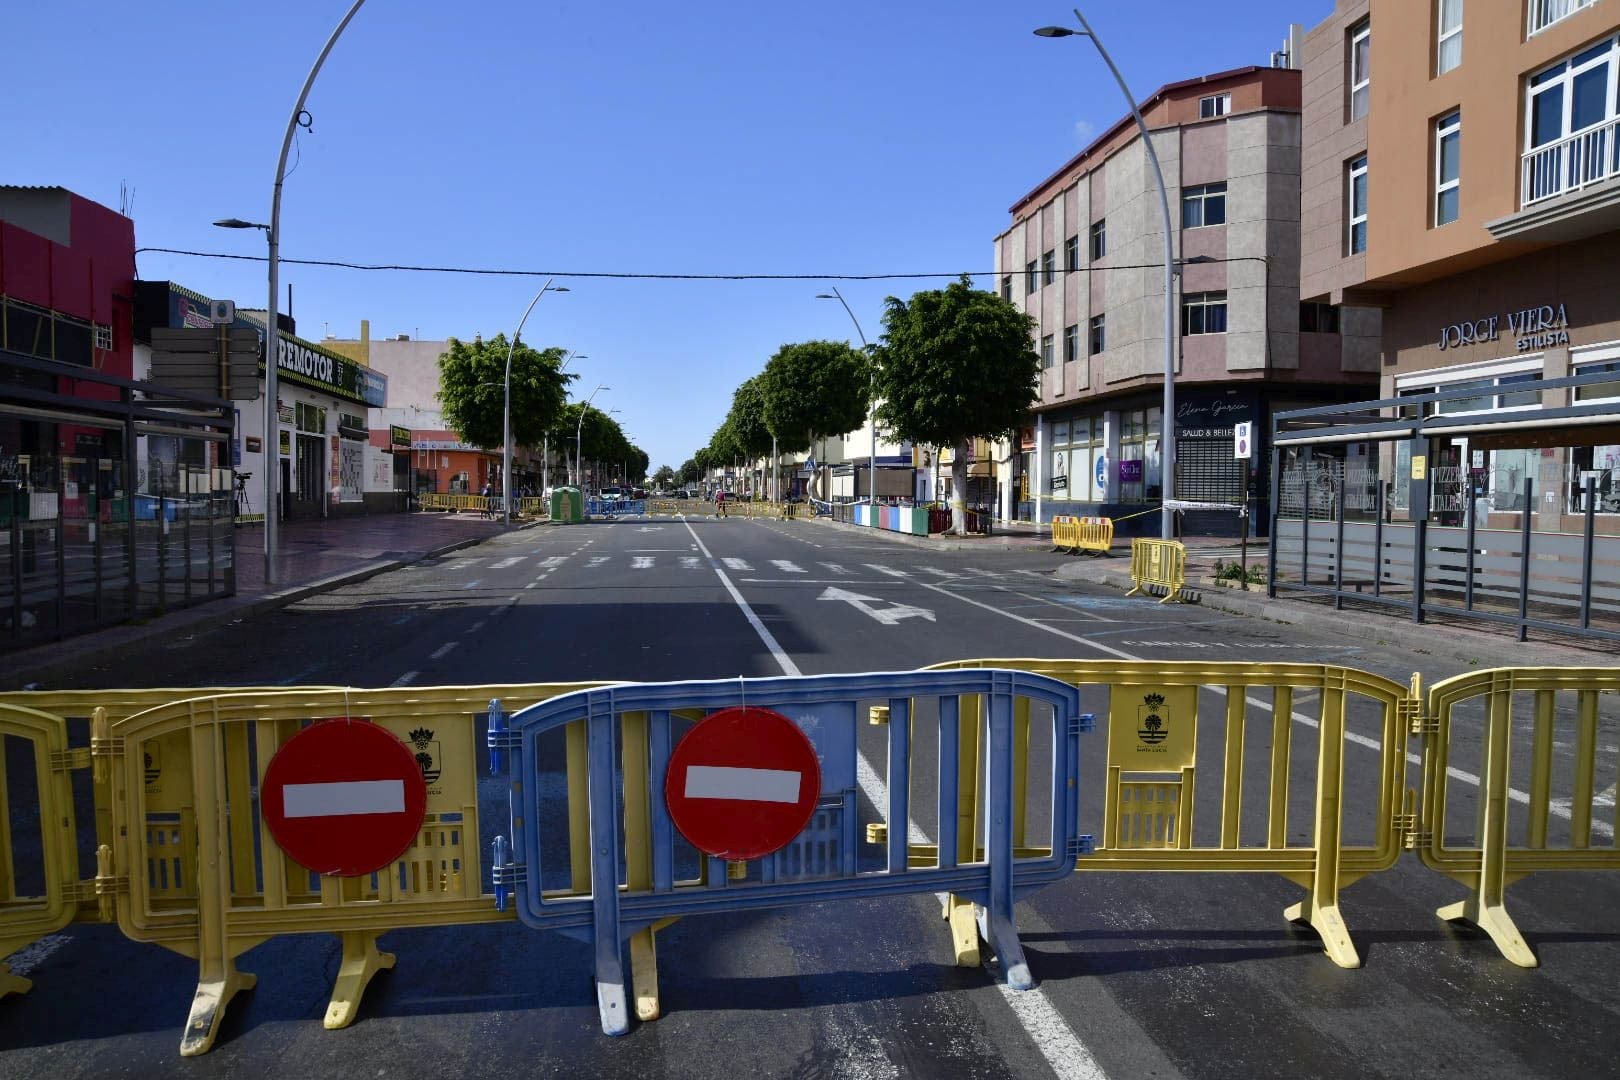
(1571, 163)
(1544, 13)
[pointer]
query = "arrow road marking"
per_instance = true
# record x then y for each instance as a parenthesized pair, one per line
(887, 616)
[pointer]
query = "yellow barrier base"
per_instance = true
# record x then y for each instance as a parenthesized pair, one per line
(208, 1008)
(361, 961)
(964, 930)
(1496, 922)
(13, 984)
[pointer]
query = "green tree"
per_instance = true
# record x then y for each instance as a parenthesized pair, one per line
(472, 390)
(746, 420)
(814, 389)
(689, 471)
(599, 438)
(955, 364)
(664, 477)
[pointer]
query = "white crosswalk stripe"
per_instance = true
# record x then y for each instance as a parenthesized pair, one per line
(887, 570)
(598, 560)
(736, 564)
(691, 562)
(786, 567)
(936, 571)
(553, 562)
(642, 562)
(983, 573)
(504, 563)
(837, 569)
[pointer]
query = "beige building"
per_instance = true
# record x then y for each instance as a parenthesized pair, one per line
(1461, 175)
(1083, 255)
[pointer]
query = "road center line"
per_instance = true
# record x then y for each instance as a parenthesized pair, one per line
(444, 650)
(783, 660)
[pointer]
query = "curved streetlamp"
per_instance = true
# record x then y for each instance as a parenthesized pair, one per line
(871, 396)
(579, 436)
(272, 339)
(1167, 443)
(506, 416)
(545, 452)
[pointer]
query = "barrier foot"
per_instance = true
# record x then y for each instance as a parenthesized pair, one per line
(610, 1006)
(361, 961)
(1495, 921)
(644, 973)
(1003, 938)
(13, 984)
(208, 1009)
(1329, 926)
(964, 930)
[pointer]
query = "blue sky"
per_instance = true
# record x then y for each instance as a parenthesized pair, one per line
(848, 136)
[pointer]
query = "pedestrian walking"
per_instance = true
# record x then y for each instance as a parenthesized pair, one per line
(489, 501)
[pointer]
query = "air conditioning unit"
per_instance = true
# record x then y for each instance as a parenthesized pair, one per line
(222, 312)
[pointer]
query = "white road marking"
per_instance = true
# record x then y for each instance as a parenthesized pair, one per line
(553, 562)
(444, 650)
(748, 785)
(405, 679)
(598, 560)
(935, 571)
(1063, 1050)
(691, 562)
(641, 562)
(532, 584)
(474, 628)
(887, 616)
(1070, 608)
(783, 660)
(26, 959)
(835, 568)
(472, 584)
(504, 563)
(343, 798)
(886, 570)
(786, 567)
(736, 564)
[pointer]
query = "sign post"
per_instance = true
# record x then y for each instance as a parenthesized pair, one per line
(1243, 450)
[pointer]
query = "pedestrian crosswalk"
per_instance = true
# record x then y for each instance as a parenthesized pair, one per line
(783, 569)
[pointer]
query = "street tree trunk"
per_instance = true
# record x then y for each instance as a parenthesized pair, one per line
(959, 473)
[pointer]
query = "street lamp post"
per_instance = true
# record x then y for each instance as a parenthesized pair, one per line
(545, 452)
(1167, 443)
(506, 412)
(272, 339)
(871, 404)
(579, 438)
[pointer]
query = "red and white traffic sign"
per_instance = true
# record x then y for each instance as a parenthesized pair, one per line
(742, 783)
(344, 797)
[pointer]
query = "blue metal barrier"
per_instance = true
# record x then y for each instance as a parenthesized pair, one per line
(820, 864)
(615, 507)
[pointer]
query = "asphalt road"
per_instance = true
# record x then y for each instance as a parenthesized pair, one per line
(1139, 974)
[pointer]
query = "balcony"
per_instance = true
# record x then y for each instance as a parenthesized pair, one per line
(1544, 13)
(1571, 163)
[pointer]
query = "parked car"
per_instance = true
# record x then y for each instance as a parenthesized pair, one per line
(610, 494)
(639, 493)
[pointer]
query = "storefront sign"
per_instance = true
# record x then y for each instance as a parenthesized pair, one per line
(255, 445)
(286, 444)
(1532, 328)
(1201, 416)
(284, 413)
(399, 438)
(1130, 472)
(321, 370)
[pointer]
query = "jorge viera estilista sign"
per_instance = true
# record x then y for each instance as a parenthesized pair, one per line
(1531, 328)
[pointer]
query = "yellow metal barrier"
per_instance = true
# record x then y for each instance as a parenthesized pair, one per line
(239, 889)
(1094, 535)
(1158, 565)
(1486, 863)
(1153, 715)
(25, 919)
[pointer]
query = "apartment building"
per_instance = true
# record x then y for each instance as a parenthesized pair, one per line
(1461, 175)
(1084, 255)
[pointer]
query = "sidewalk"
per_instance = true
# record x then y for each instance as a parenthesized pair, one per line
(1468, 642)
(311, 557)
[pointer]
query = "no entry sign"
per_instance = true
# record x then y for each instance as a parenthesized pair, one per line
(742, 783)
(344, 797)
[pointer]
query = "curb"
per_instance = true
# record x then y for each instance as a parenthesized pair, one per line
(44, 662)
(1474, 647)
